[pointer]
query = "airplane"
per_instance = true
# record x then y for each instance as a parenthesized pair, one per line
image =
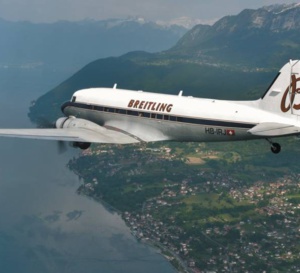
(116, 116)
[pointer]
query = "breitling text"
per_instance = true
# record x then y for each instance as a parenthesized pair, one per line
(150, 105)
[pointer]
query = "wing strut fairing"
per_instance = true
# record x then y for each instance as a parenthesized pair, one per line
(273, 129)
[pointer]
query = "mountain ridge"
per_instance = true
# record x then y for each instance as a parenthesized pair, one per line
(219, 61)
(251, 37)
(74, 44)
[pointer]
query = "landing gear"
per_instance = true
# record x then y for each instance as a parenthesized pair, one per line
(81, 145)
(275, 147)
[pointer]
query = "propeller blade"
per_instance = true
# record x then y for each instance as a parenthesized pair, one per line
(45, 123)
(62, 147)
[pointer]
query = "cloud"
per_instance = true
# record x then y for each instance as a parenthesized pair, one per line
(74, 10)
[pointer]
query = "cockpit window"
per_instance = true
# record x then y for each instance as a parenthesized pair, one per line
(73, 99)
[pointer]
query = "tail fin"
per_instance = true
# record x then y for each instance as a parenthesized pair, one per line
(283, 95)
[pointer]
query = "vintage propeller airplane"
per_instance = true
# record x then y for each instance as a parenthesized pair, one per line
(111, 115)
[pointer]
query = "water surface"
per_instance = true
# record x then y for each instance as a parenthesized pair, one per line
(44, 225)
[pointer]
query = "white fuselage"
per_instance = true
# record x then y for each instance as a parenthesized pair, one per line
(155, 117)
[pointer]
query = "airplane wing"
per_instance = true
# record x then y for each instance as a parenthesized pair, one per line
(101, 135)
(273, 129)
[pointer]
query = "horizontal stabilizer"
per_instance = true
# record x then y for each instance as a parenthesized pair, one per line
(102, 135)
(273, 129)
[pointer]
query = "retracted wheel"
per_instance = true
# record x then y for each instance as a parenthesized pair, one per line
(275, 148)
(81, 145)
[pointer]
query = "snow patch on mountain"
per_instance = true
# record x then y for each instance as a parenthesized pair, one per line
(186, 22)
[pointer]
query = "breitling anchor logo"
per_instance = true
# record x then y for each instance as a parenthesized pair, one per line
(292, 88)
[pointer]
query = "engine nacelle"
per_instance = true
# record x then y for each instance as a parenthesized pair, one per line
(72, 122)
(60, 122)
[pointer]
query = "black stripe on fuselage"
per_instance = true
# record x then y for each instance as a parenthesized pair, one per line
(157, 116)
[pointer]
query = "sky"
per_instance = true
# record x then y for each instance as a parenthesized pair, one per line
(207, 11)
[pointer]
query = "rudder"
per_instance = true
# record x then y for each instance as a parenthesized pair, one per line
(283, 95)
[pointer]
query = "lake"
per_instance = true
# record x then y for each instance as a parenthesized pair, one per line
(44, 225)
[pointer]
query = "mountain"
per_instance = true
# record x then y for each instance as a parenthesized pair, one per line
(74, 44)
(142, 71)
(236, 58)
(183, 21)
(264, 37)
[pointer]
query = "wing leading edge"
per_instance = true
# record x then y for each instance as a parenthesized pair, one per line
(101, 135)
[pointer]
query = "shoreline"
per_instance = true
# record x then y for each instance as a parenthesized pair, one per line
(155, 245)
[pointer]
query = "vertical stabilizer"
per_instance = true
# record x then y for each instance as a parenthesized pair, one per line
(283, 96)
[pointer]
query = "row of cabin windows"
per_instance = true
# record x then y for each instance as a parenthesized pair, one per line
(161, 116)
(134, 113)
(129, 112)
(140, 114)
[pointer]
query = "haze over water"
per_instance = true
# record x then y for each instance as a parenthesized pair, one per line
(44, 225)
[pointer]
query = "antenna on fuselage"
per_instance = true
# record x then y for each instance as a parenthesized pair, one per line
(180, 93)
(115, 86)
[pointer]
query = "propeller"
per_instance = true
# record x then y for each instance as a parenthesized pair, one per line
(61, 146)
(44, 123)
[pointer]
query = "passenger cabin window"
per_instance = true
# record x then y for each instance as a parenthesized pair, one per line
(73, 99)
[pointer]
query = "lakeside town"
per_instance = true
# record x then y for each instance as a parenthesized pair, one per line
(203, 218)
